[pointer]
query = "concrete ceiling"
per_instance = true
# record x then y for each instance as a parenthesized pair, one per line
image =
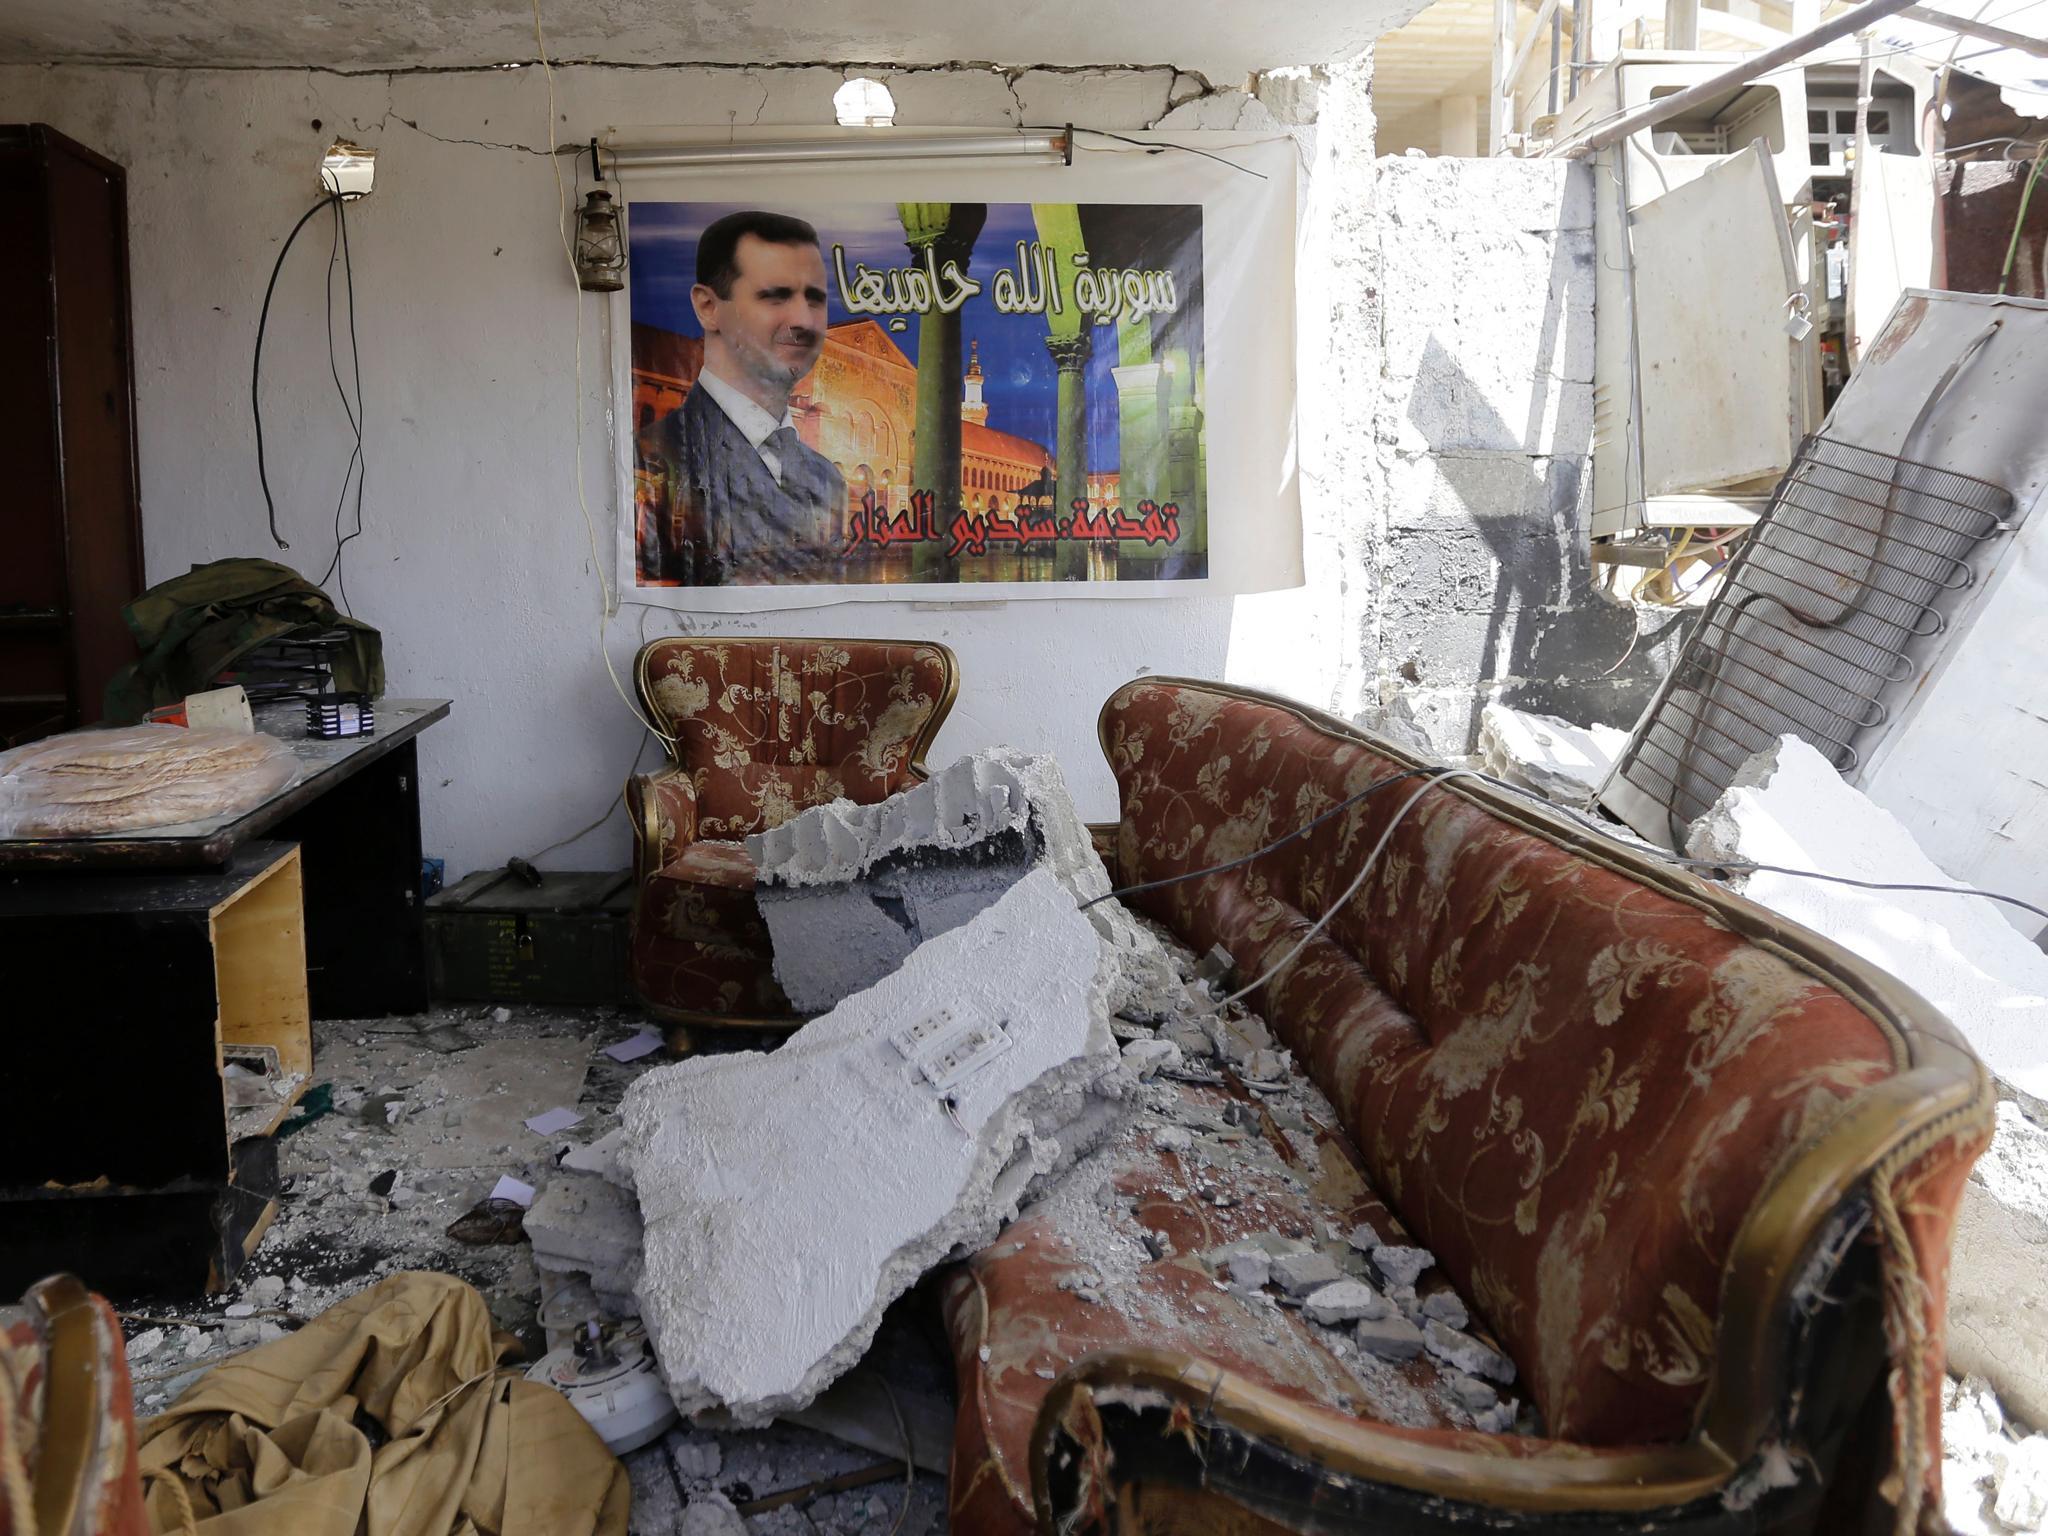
(1223, 39)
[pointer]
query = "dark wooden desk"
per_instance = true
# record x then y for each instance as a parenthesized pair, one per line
(128, 1156)
(355, 814)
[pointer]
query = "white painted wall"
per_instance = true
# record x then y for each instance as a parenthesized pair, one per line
(475, 561)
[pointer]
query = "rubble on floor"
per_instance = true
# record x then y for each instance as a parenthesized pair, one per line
(1788, 806)
(904, 1124)
(334, 1237)
(1560, 761)
(1994, 1475)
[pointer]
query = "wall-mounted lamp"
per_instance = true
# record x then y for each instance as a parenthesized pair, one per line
(600, 246)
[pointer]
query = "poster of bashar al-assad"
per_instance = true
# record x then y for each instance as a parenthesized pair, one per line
(865, 394)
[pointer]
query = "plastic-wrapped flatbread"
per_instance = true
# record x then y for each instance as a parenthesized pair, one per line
(134, 777)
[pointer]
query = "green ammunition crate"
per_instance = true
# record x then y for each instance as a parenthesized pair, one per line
(493, 938)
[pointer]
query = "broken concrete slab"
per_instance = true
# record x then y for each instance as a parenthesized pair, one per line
(1788, 806)
(1560, 761)
(849, 891)
(788, 1198)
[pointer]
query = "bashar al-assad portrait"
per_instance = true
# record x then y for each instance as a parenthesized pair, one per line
(917, 392)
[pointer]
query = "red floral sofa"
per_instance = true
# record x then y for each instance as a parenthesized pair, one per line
(1693, 1169)
(759, 729)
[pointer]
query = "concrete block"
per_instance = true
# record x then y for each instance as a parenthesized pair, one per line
(790, 1197)
(1467, 1353)
(1390, 1338)
(1789, 807)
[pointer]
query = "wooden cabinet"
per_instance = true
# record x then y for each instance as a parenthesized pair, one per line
(70, 521)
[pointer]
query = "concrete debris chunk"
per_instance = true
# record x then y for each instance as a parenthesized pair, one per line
(1345, 1301)
(1560, 761)
(1150, 1057)
(1216, 968)
(1190, 1039)
(1446, 1308)
(711, 1514)
(2022, 1502)
(1467, 1353)
(1390, 1338)
(697, 1458)
(1401, 1265)
(1251, 1269)
(1299, 1273)
(1472, 1394)
(1497, 1420)
(789, 1198)
(587, 1221)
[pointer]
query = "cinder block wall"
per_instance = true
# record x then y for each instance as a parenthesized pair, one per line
(1483, 432)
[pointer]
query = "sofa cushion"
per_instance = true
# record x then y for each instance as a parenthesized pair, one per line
(770, 728)
(1570, 1085)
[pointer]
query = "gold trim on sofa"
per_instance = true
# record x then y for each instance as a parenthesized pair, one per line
(1940, 1086)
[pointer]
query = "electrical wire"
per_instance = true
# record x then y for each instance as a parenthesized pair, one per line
(1151, 147)
(1279, 842)
(1437, 776)
(605, 596)
(256, 365)
(2026, 194)
(358, 463)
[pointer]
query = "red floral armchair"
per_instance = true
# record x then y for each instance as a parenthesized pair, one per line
(759, 730)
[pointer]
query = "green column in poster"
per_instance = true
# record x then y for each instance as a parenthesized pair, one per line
(1184, 448)
(948, 231)
(1140, 442)
(1059, 230)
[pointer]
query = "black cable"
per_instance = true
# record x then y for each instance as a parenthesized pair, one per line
(1149, 146)
(1746, 866)
(1737, 866)
(1279, 842)
(256, 364)
(359, 462)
